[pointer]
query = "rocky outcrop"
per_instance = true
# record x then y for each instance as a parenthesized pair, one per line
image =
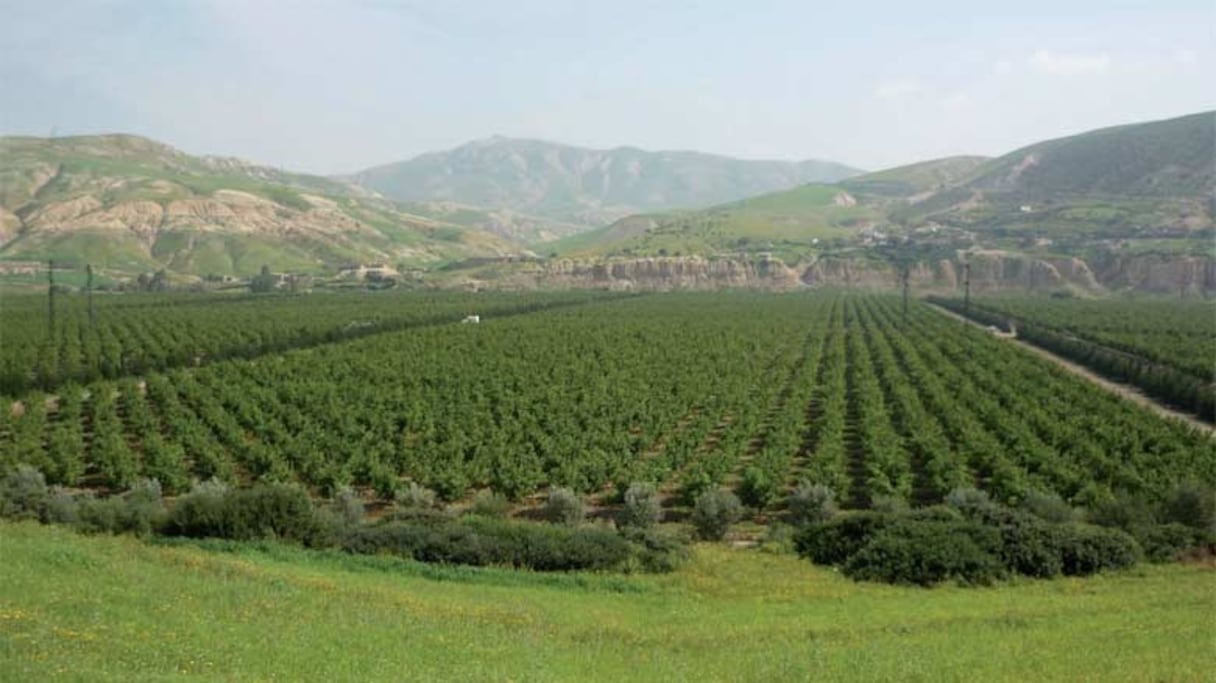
(1159, 273)
(668, 273)
(990, 271)
(1004, 270)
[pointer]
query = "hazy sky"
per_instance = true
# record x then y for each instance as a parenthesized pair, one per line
(331, 87)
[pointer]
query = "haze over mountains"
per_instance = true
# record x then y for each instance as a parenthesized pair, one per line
(583, 186)
(128, 204)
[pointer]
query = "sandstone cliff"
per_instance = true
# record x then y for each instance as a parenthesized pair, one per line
(990, 271)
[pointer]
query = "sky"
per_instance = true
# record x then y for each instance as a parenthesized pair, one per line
(336, 86)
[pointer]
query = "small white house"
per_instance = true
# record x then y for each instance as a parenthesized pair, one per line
(471, 319)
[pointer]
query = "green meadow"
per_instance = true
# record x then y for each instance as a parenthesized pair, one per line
(116, 608)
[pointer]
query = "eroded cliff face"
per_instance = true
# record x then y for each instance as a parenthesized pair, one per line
(667, 273)
(1161, 274)
(997, 270)
(989, 271)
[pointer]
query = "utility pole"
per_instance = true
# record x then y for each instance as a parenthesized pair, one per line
(92, 315)
(50, 300)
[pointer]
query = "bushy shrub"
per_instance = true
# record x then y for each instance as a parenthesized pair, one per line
(199, 511)
(968, 500)
(564, 506)
(925, 553)
(1017, 541)
(836, 540)
(278, 511)
(481, 542)
(657, 549)
(1048, 506)
(934, 513)
(101, 515)
(1166, 542)
(757, 489)
(140, 511)
(1087, 549)
(490, 504)
(348, 506)
(61, 507)
(713, 514)
(1028, 545)
(23, 494)
(811, 503)
(1121, 512)
(641, 508)
(1192, 504)
(414, 497)
(145, 507)
(891, 505)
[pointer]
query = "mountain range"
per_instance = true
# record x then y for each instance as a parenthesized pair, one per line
(585, 187)
(1123, 185)
(127, 205)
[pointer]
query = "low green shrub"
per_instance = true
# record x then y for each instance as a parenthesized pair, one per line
(61, 507)
(1028, 545)
(564, 506)
(139, 511)
(926, 553)
(278, 511)
(1191, 504)
(968, 500)
(811, 503)
(1015, 540)
(348, 506)
(641, 508)
(657, 549)
(414, 496)
(482, 542)
(1087, 549)
(23, 494)
(838, 539)
(490, 504)
(1166, 542)
(1049, 507)
(713, 514)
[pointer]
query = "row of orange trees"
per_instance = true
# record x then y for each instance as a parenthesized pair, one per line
(690, 391)
(134, 334)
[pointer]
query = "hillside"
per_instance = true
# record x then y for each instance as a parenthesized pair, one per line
(515, 226)
(914, 179)
(788, 224)
(585, 186)
(128, 204)
(1127, 181)
(1120, 208)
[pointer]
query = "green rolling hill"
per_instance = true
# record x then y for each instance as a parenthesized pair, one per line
(788, 224)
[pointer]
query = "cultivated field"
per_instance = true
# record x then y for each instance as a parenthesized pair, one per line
(690, 391)
(1166, 348)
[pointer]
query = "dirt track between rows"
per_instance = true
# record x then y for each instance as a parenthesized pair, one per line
(1125, 390)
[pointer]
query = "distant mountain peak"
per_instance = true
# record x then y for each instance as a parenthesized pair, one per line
(582, 185)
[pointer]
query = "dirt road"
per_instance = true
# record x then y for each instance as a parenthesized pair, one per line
(1127, 391)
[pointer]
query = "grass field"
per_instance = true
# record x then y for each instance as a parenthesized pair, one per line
(80, 608)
